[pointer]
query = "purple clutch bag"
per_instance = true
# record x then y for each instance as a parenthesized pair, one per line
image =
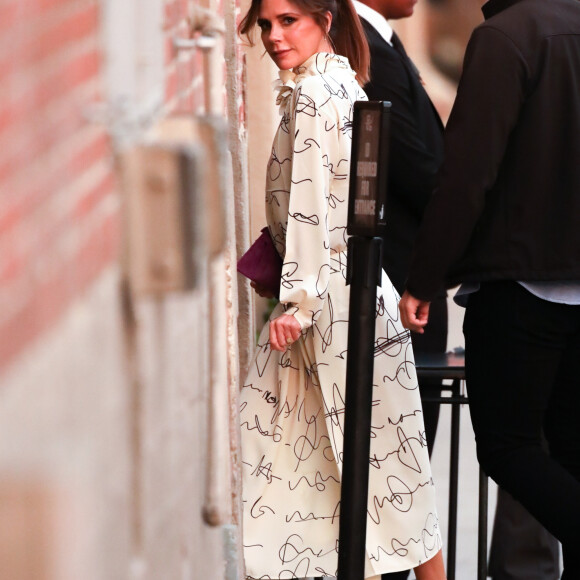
(262, 263)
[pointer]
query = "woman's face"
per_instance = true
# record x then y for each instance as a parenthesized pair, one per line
(289, 34)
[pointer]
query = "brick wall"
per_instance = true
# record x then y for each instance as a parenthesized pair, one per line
(59, 200)
(59, 216)
(107, 413)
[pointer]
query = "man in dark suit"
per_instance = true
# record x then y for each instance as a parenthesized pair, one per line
(416, 152)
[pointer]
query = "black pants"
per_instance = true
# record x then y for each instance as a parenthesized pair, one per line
(523, 373)
(521, 549)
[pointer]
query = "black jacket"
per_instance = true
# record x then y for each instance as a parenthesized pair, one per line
(508, 202)
(416, 150)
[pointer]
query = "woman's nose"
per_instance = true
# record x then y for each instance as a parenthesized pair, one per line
(275, 33)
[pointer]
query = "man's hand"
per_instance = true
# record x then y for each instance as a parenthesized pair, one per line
(284, 330)
(414, 313)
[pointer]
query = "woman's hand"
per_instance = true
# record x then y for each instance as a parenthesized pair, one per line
(284, 330)
(261, 290)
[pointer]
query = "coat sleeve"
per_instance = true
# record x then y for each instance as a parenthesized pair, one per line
(314, 138)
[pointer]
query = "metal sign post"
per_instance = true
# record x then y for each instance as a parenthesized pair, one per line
(366, 219)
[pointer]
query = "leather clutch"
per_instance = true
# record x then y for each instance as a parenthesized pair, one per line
(262, 263)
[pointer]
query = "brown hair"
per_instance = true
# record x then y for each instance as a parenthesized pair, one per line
(346, 32)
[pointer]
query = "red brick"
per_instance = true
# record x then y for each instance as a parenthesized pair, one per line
(50, 299)
(12, 266)
(96, 150)
(40, 186)
(89, 200)
(171, 15)
(13, 112)
(170, 85)
(46, 5)
(52, 36)
(10, 14)
(170, 52)
(55, 84)
(70, 75)
(73, 28)
(182, 9)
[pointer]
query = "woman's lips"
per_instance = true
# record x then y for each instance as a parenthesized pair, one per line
(280, 53)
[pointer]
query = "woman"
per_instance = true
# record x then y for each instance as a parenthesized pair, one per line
(292, 403)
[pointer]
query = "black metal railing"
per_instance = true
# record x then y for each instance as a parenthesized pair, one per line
(451, 366)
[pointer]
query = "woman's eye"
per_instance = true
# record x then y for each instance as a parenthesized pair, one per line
(289, 19)
(263, 25)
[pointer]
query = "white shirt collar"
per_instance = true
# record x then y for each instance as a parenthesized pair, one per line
(376, 20)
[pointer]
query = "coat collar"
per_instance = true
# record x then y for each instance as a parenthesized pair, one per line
(493, 7)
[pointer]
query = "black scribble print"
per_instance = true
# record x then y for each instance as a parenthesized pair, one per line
(292, 404)
(263, 354)
(275, 434)
(275, 166)
(305, 105)
(284, 410)
(342, 170)
(293, 548)
(318, 482)
(272, 197)
(335, 90)
(285, 123)
(404, 453)
(312, 440)
(306, 145)
(264, 469)
(347, 127)
(286, 361)
(375, 430)
(325, 334)
(429, 536)
(297, 516)
(289, 269)
(257, 511)
(327, 164)
(405, 373)
(380, 312)
(279, 238)
(311, 220)
(335, 413)
(312, 372)
(402, 417)
(391, 345)
(338, 261)
(340, 232)
(322, 282)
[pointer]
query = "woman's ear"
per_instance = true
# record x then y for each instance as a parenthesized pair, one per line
(328, 17)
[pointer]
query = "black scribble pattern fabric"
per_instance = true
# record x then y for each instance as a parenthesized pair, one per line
(292, 404)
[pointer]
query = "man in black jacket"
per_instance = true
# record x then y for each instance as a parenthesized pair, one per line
(416, 153)
(504, 223)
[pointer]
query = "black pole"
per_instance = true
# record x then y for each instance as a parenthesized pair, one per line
(482, 527)
(364, 271)
(453, 485)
